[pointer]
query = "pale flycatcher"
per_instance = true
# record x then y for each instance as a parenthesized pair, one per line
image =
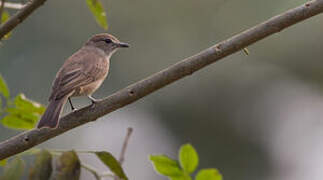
(81, 75)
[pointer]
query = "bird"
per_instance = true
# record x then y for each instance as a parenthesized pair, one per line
(80, 75)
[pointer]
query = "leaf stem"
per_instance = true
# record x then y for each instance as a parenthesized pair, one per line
(91, 170)
(125, 144)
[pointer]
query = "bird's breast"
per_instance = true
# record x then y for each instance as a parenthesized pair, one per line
(88, 89)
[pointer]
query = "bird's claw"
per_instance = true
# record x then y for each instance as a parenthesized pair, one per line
(94, 101)
(74, 109)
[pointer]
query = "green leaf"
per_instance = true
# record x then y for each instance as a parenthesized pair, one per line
(14, 122)
(183, 177)
(67, 167)
(3, 162)
(32, 151)
(42, 168)
(208, 174)
(98, 12)
(4, 88)
(19, 120)
(5, 16)
(24, 115)
(188, 158)
(1, 110)
(112, 163)
(166, 166)
(14, 169)
(25, 104)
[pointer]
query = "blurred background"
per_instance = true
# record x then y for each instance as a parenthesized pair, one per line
(255, 117)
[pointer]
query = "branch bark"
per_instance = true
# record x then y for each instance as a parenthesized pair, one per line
(169, 75)
(20, 16)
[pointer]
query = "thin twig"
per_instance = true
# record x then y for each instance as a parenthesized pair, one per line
(91, 170)
(20, 16)
(159, 80)
(124, 148)
(95, 172)
(125, 144)
(107, 175)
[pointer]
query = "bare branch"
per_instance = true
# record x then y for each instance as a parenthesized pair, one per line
(20, 16)
(167, 76)
(125, 144)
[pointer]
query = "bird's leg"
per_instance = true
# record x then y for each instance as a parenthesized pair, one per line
(72, 107)
(93, 100)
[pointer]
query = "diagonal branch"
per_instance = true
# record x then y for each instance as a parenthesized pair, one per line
(167, 76)
(20, 16)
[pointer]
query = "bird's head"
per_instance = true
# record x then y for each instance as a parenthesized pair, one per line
(106, 42)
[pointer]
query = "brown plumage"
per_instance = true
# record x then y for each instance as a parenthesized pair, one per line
(81, 75)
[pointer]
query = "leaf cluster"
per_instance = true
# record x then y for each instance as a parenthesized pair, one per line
(183, 168)
(66, 166)
(4, 18)
(98, 12)
(19, 112)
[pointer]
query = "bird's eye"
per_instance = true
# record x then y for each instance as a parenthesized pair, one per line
(108, 41)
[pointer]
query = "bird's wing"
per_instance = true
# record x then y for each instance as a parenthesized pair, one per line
(79, 70)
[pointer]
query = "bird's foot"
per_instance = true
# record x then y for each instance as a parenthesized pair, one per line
(94, 101)
(74, 109)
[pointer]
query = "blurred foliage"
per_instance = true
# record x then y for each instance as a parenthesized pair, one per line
(98, 12)
(19, 113)
(112, 163)
(3, 162)
(4, 88)
(42, 168)
(4, 17)
(67, 167)
(182, 169)
(14, 169)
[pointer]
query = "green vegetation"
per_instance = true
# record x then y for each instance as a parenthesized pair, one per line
(18, 112)
(184, 167)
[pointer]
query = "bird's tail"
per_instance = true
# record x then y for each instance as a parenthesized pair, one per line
(51, 116)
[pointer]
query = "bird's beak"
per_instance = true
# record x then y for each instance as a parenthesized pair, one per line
(122, 45)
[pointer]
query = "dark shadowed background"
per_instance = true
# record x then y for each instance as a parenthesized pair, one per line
(255, 117)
